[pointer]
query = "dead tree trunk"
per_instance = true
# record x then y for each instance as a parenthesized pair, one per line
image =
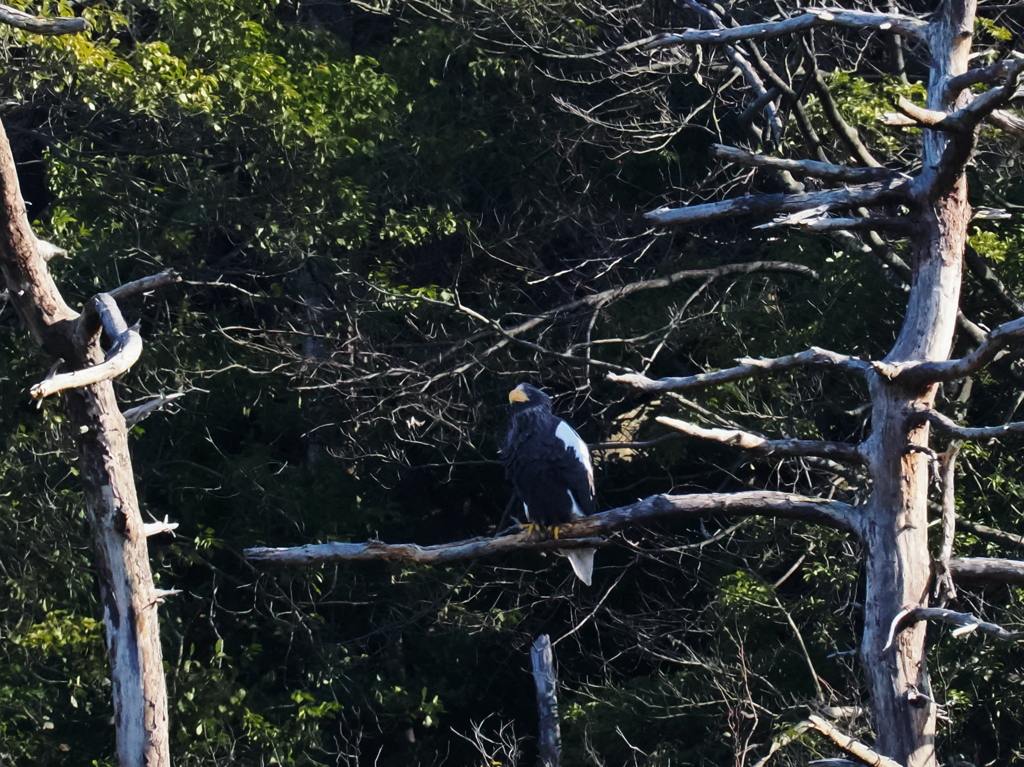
(896, 517)
(75, 341)
(549, 739)
(928, 203)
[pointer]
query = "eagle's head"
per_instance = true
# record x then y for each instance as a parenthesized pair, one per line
(525, 397)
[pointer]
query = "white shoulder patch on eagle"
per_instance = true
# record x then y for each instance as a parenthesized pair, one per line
(572, 441)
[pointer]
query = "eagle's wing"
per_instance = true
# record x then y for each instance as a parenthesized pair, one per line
(577, 469)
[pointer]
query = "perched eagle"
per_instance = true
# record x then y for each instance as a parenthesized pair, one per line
(549, 466)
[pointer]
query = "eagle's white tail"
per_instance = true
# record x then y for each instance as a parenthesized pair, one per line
(582, 561)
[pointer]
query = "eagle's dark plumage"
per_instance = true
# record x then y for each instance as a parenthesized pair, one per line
(549, 466)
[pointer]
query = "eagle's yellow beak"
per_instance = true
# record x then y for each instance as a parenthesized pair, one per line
(517, 395)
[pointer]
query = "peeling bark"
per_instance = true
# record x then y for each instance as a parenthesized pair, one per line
(896, 516)
(118, 534)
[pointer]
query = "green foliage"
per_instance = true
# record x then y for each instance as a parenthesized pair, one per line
(985, 27)
(332, 201)
(863, 103)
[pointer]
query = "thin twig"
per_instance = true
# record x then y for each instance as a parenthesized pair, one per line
(949, 426)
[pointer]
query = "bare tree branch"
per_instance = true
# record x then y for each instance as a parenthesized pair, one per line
(989, 75)
(817, 220)
(1007, 122)
(967, 118)
(746, 369)
(836, 451)
(992, 534)
(144, 285)
(124, 352)
(944, 589)
(851, 746)
(988, 570)
(949, 426)
(904, 25)
(843, 129)
(969, 622)
(825, 170)
(40, 26)
(900, 226)
(577, 534)
(604, 298)
(763, 97)
(133, 415)
(950, 370)
(607, 297)
(919, 115)
(158, 528)
(865, 195)
(642, 445)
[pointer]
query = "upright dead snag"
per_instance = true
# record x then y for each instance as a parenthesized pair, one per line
(89, 350)
(935, 213)
(546, 683)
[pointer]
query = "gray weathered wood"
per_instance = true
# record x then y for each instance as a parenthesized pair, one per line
(577, 534)
(112, 507)
(988, 570)
(549, 740)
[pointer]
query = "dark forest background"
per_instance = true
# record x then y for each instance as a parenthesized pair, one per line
(386, 217)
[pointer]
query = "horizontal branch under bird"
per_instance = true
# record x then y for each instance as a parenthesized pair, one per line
(580, 533)
(819, 17)
(865, 195)
(781, 448)
(746, 369)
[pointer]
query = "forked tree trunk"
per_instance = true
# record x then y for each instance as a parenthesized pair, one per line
(118, 534)
(895, 526)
